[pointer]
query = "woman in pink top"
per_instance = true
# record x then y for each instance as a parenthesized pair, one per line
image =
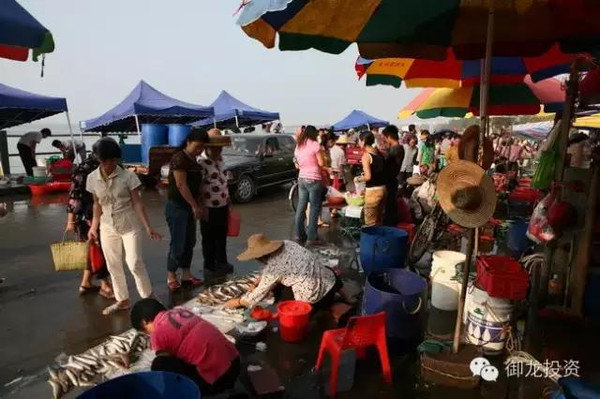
(186, 344)
(309, 160)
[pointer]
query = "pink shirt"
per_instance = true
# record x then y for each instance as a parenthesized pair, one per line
(306, 157)
(193, 340)
(515, 153)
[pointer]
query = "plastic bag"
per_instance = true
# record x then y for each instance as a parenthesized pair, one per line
(539, 229)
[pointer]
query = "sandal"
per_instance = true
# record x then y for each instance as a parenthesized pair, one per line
(114, 308)
(194, 282)
(83, 290)
(173, 285)
(108, 294)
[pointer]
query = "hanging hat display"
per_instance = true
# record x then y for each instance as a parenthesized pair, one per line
(466, 194)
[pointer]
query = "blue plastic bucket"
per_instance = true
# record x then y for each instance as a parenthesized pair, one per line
(517, 236)
(177, 134)
(382, 248)
(153, 135)
(402, 295)
(147, 385)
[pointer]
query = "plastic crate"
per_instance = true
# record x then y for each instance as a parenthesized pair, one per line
(502, 277)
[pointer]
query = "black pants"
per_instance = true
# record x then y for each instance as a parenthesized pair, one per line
(214, 237)
(27, 158)
(175, 365)
(391, 206)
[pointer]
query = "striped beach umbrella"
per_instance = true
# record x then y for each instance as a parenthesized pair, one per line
(455, 73)
(426, 28)
(525, 98)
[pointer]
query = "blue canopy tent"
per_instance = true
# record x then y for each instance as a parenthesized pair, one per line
(535, 130)
(19, 106)
(230, 112)
(357, 119)
(145, 104)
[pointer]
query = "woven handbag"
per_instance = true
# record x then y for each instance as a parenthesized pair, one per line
(70, 255)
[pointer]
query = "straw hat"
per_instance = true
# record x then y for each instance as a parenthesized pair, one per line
(466, 194)
(258, 246)
(416, 180)
(343, 139)
(216, 139)
(469, 145)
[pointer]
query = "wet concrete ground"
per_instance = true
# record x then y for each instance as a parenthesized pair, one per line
(42, 315)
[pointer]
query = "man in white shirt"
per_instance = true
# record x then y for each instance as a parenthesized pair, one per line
(71, 147)
(26, 147)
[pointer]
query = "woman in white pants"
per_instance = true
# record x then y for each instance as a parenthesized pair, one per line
(118, 211)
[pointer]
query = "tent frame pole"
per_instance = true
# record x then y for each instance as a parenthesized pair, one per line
(137, 124)
(483, 112)
(237, 122)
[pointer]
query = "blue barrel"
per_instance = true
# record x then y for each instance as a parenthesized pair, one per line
(147, 385)
(177, 134)
(517, 236)
(382, 247)
(153, 134)
(402, 295)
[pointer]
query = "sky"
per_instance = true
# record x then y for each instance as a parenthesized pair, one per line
(190, 50)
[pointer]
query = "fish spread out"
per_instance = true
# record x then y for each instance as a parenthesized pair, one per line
(221, 293)
(118, 352)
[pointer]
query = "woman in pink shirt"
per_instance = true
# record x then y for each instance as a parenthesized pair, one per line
(186, 344)
(309, 160)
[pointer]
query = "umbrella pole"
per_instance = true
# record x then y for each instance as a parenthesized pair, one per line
(137, 124)
(72, 135)
(237, 122)
(483, 107)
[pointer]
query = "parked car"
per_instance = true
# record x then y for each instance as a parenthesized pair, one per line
(256, 161)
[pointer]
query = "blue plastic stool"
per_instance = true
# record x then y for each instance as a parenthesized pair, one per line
(147, 385)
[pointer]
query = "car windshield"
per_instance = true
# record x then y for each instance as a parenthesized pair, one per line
(243, 146)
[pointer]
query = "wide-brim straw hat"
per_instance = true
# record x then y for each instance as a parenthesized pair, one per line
(217, 139)
(466, 194)
(468, 148)
(343, 139)
(416, 180)
(258, 246)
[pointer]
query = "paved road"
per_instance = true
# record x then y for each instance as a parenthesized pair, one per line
(42, 315)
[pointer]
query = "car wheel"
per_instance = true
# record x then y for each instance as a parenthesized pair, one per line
(245, 189)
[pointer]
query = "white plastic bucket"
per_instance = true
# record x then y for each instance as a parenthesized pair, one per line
(41, 161)
(444, 290)
(39, 171)
(487, 319)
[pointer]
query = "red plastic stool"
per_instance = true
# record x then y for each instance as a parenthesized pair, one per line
(360, 333)
(410, 228)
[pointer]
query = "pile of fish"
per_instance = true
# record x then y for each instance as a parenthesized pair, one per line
(84, 369)
(221, 293)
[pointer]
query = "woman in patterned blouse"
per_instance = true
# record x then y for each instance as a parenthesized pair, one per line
(214, 192)
(287, 264)
(79, 219)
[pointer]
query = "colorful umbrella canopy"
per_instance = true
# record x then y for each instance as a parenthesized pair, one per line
(525, 98)
(20, 31)
(456, 73)
(426, 28)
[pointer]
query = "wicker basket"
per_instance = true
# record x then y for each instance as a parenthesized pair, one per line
(447, 373)
(70, 255)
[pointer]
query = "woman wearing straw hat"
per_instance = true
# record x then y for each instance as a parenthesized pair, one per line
(292, 266)
(215, 195)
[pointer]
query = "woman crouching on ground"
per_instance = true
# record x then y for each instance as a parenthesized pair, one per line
(215, 195)
(184, 207)
(118, 210)
(295, 268)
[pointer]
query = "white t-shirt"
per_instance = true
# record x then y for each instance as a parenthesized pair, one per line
(29, 138)
(338, 158)
(79, 145)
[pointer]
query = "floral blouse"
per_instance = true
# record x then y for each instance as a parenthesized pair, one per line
(295, 267)
(81, 202)
(214, 190)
